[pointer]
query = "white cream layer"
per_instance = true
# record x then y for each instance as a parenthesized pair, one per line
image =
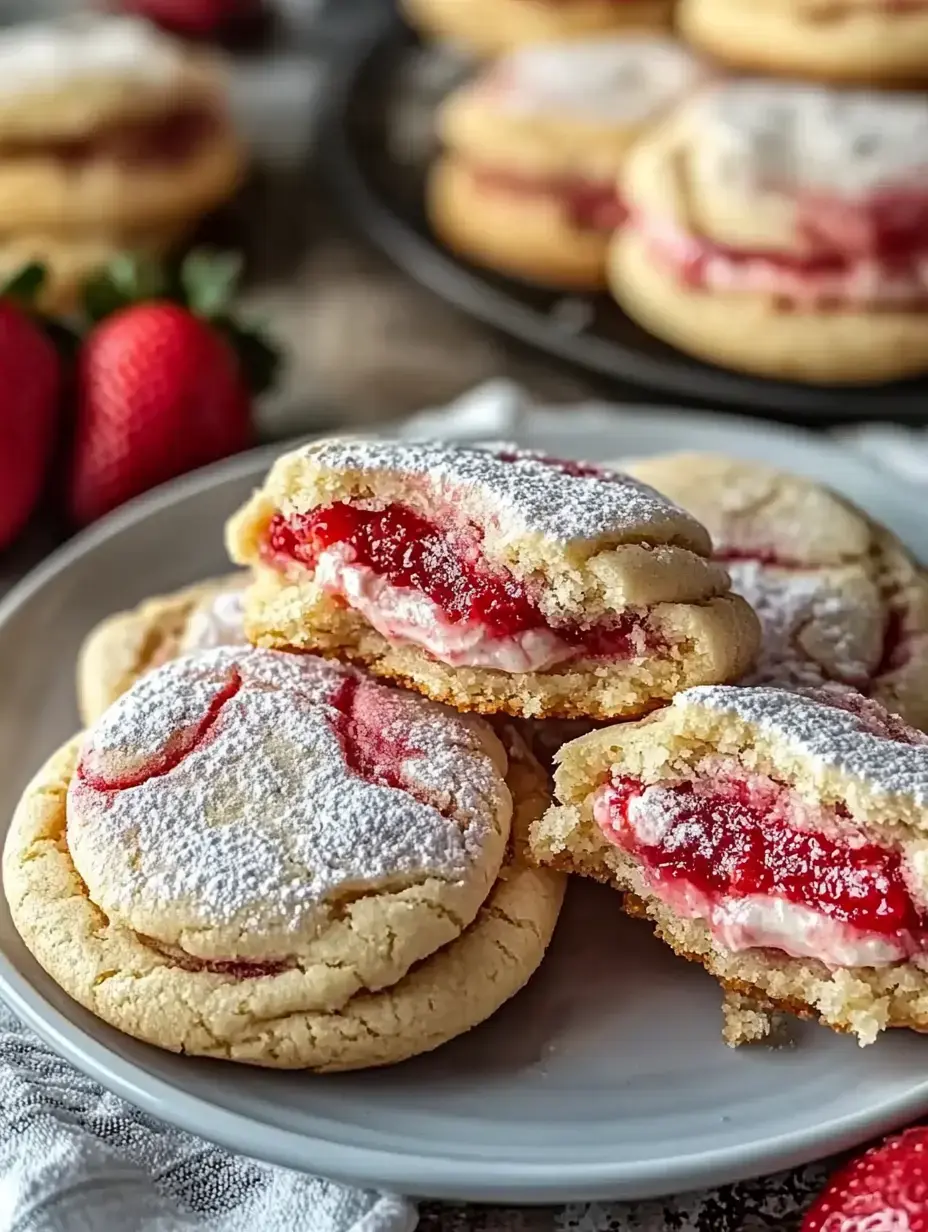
(403, 615)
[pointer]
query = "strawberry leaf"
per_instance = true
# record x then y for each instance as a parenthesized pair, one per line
(209, 281)
(127, 279)
(259, 359)
(25, 285)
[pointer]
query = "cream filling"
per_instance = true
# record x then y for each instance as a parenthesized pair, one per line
(403, 615)
(753, 921)
(862, 282)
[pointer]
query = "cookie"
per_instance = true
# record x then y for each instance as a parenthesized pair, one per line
(529, 181)
(777, 838)
(495, 580)
(780, 229)
(493, 27)
(840, 599)
(272, 859)
(106, 126)
(128, 644)
(853, 41)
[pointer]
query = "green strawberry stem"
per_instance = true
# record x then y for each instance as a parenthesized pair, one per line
(25, 285)
(24, 288)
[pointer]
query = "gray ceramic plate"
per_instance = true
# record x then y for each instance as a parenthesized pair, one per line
(605, 1078)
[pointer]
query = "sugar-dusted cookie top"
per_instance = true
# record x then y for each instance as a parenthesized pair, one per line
(242, 804)
(217, 620)
(608, 80)
(50, 56)
(838, 731)
(515, 491)
(757, 137)
(86, 75)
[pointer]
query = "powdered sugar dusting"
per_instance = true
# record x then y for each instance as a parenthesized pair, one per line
(800, 612)
(851, 733)
(41, 56)
(757, 137)
(521, 493)
(611, 80)
(263, 820)
(220, 621)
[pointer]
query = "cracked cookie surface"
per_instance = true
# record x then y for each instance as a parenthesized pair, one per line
(840, 599)
(376, 962)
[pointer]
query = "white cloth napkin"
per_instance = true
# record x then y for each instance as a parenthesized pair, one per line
(74, 1158)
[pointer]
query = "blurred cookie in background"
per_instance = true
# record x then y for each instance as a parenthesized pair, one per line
(529, 181)
(104, 122)
(112, 137)
(491, 27)
(782, 229)
(853, 41)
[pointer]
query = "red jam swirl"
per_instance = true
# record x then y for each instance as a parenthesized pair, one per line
(163, 140)
(728, 845)
(587, 205)
(448, 567)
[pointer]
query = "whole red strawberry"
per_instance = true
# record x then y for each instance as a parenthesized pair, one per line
(197, 19)
(30, 388)
(884, 1190)
(161, 389)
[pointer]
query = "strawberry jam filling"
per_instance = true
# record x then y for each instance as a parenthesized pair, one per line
(415, 581)
(163, 140)
(763, 869)
(586, 204)
(861, 254)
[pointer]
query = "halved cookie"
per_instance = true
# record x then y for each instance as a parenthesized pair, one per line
(270, 858)
(495, 580)
(778, 838)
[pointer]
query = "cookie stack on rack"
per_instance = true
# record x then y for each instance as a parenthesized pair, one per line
(113, 137)
(771, 224)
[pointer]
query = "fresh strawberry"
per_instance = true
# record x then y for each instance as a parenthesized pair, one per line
(30, 381)
(196, 19)
(887, 1187)
(162, 386)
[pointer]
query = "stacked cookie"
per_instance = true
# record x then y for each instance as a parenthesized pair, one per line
(286, 838)
(112, 137)
(780, 229)
(774, 226)
(530, 181)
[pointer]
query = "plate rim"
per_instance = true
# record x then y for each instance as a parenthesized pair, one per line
(405, 1171)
